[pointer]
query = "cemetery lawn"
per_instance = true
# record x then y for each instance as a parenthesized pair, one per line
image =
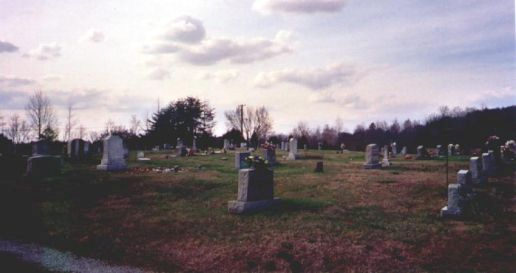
(346, 219)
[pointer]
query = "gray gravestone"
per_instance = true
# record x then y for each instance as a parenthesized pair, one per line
(454, 207)
(488, 164)
(404, 151)
(385, 160)
(477, 174)
(270, 156)
(240, 162)
(75, 149)
(226, 144)
(319, 167)
(113, 155)
(394, 148)
(422, 153)
(255, 191)
(41, 147)
(372, 157)
(292, 154)
(464, 178)
(43, 166)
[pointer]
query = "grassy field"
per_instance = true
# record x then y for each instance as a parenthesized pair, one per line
(346, 219)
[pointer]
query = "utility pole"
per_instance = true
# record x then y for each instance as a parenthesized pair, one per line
(241, 106)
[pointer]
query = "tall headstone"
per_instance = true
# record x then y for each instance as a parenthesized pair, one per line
(194, 145)
(255, 191)
(451, 150)
(464, 178)
(454, 207)
(41, 147)
(489, 164)
(404, 151)
(269, 154)
(372, 157)
(385, 160)
(180, 148)
(75, 149)
(456, 149)
(240, 160)
(440, 150)
(319, 146)
(226, 144)
(477, 174)
(394, 148)
(292, 154)
(113, 155)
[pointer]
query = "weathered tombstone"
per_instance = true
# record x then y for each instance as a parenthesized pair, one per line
(404, 151)
(255, 191)
(422, 153)
(226, 144)
(180, 148)
(240, 160)
(194, 145)
(385, 160)
(43, 166)
(155, 149)
(319, 167)
(489, 164)
(451, 149)
(166, 146)
(140, 154)
(372, 157)
(464, 178)
(477, 174)
(457, 149)
(282, 146)
(394, 148)
(455, 200)
(41, 147)
(243, 145)
(269, 154)
(113, 155)
(440, 150)
(292, 154)
(75, 149)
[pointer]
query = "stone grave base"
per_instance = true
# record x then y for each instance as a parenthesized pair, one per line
(143, 159)
(373, 166)
(112, 166)
(447, 213)
(241, 207)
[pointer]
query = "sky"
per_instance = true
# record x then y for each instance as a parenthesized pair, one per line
(311, 61)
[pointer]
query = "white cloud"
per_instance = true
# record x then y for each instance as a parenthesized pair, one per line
(159, 74)
(52, 78)
(94, 36)
(315, 79)
(185, 29)
(45, 52)
(12, 81)
(7, 47)
(220, 76)
(298, 6)
(233, 50)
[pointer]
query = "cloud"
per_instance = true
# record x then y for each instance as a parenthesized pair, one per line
(233, 50)
(315, 79)
(52, 78)
(94, 36)
(159, 74)
(220, 76)
(7, 47)
(185, 29)
(45, 52)
(186, 38)
(497, 97)
(13, 81)
(298, 6)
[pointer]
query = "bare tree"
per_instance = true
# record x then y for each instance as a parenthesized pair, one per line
(18, 130)
(262, 122)
(82, 132)
(70, 123)
(2, 124)
(250, 121)
(135, 125)
(301, 130)
(40, 113)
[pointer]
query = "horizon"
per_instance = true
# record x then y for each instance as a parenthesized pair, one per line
(311, 61)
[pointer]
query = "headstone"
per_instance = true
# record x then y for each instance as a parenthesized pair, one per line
(41, 147)
(126, 153)
(292, 154)
(451, 150)
(240, 160)
(394, 148)
(76, 149)
(305, 147)
(255, 191)
(155, 149)
(269, 154)
(87, 147)
(489, 164)
(43, 166)
(385, 160)
(422, 153)
(140, 154)
(113, 155)
(180, 148)
(226, 144)
(372, 157)
(457, 149)
(166, 146)
(194, 145)
(243, 145)
(440, 150)
(319, 146)
(477, 174)
(319, 167)
(464, 178)
(404, 151)
(454, 207)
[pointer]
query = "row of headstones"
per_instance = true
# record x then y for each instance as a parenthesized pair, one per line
(372, 157)
(453, 149)
(480, 169)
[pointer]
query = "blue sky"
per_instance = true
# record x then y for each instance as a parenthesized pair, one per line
(308, 61)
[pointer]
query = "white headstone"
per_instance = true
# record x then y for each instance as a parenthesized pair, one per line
(226, 144)
(113, 155)
(454, 201)
(292, 154)
(372, 157)
(385, 161)
(404, 151)
(394, 148)
(477, 175)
